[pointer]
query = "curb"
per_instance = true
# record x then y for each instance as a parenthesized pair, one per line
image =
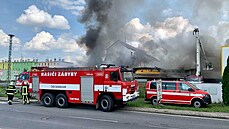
(218, 115)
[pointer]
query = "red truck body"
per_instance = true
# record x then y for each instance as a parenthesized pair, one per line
(103, 87)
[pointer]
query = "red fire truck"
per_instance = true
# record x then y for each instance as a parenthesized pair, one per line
(102, 86)
(24, 76)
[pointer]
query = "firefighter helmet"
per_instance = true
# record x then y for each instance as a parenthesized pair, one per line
(25, 83)
(11, 84)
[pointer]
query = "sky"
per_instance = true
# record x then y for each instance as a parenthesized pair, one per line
(43, 29)
(80, 31)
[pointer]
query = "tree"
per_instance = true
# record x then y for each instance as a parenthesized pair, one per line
(225, 86)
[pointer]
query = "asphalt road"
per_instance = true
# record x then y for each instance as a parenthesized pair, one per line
(35, 116)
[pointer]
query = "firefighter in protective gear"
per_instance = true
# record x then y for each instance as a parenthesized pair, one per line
(25, 92)
(10, 91)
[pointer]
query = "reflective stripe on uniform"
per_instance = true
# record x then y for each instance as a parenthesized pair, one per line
(10, 89)
(10, 93)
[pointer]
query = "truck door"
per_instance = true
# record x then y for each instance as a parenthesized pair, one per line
(87, 94)
(115, 83)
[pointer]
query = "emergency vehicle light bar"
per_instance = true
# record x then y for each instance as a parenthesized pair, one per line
(106, 65)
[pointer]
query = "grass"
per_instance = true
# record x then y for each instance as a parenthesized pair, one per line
(140, 102)
(210, 108)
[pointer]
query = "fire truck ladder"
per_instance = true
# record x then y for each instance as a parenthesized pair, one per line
(208, 65)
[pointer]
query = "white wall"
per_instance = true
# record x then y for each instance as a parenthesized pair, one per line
(214, 89)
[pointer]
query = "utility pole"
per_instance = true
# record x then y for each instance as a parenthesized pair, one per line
(9, 59)
(196, 33)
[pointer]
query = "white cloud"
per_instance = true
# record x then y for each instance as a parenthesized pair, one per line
(75, 6)
(67, 43)
(79, 60)
(135, 30)
(36, 17)
(4, 40)
(170, 28)
(42, 41)
(220, 32)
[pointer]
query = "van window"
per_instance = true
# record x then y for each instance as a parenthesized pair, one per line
(153, 85)
(168, 85)
(183, 86)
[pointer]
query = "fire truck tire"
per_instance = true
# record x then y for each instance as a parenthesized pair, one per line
(154, 101)
(197, 103)
(106, 103)
(48, 100)
(61, 101)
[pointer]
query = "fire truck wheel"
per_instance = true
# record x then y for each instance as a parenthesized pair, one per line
(197, 103)
(48, 100)
(61, 101)
(106, 103)
(154, 101)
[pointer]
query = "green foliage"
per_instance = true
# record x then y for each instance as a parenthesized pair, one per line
(225, 82)
(3, 91)
(142, 90)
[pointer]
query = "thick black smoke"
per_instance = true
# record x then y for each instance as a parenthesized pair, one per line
(94, 16)
(106, 22)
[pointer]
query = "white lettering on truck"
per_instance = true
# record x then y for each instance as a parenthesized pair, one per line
(59, 74)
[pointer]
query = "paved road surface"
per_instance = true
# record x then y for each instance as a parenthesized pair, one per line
(35, 116)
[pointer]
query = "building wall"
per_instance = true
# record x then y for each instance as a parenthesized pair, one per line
(56, 64)
(21, 66)
(4, 65)
(16, 68)
(214, 89)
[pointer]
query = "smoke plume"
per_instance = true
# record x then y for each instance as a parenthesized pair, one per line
(160, 29)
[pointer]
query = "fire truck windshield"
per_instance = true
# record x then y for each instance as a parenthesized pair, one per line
(23, 77)
(127, 76)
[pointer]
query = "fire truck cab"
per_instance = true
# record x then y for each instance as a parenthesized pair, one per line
(24, 76)
(177, 92)
(102, 86)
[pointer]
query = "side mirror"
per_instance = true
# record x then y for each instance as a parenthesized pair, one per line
(190, 89)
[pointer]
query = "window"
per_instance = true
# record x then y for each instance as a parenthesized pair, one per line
(127, 76)
(168, 85)
(114, 76)
(183, 86)
(153, 85)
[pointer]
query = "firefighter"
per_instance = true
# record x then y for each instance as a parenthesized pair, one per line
(10, 91)
(25, 92)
